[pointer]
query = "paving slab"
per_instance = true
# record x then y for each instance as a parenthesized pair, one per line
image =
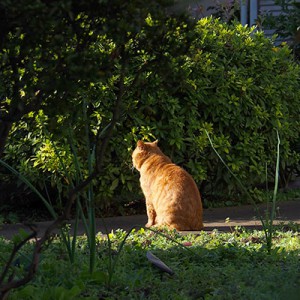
(222, 219)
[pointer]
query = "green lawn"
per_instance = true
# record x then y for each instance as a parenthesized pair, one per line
(212, 265)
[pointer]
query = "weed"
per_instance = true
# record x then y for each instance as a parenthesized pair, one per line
(267, 222)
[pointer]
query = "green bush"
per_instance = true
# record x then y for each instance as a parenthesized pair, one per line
(231, 81)
(246, 90)
(237, 85)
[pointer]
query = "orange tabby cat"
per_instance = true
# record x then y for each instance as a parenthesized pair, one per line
(172, 197)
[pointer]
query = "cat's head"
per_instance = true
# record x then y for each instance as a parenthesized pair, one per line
(143, 151)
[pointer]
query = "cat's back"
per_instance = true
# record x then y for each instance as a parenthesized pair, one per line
(155, 166)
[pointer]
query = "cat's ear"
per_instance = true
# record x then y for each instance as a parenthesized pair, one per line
(155, 143)
(140, 144)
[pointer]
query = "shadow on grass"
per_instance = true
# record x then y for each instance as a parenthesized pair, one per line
(210, 265)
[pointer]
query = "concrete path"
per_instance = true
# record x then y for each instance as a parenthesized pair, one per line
(244, 216)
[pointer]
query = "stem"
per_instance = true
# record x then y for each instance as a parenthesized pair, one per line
(28, 183)
(235, 177)
(272, 217)
(268, 223)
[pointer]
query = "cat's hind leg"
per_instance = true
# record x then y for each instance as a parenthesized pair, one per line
(151, 213)
(171, 222)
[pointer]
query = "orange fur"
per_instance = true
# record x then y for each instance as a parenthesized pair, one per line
(172, 197)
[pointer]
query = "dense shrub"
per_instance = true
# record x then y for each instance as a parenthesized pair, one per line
(237, 85)
(246, 90)
(231, 81)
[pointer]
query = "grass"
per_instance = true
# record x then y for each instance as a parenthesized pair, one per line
(217, 265)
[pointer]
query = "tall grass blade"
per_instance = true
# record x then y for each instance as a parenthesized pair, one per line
(267, 223)
(113, 263)
(235, 177)
(29, 184)
(276, 178)
(271, 217)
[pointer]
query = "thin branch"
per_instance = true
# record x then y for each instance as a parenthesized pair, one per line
(115, 118)
(11, 284)
(16, 248)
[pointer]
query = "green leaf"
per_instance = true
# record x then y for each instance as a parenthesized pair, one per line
(114, 184)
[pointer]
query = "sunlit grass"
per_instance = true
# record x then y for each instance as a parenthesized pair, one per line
(233, 265)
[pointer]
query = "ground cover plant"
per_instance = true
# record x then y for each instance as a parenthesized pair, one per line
(209, 265)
